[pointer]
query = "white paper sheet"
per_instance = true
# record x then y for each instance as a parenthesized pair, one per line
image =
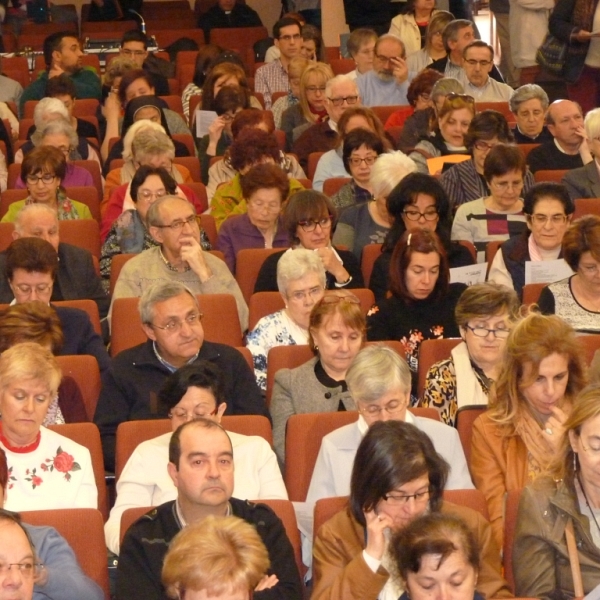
(470, 274)
(204, 119)
(546, 271)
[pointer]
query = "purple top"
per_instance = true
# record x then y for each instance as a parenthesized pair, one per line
(237, 233)
(74, 177)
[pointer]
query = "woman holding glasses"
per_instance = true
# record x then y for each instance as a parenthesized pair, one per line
(309, 217)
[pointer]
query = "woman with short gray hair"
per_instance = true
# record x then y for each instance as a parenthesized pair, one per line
(529, 104)
(301, 283)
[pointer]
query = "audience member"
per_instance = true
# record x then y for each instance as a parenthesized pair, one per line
(219, 557)
(498, 216)
(62, 54)
(549, 211)
(520, 435)
(134, 46)
(177, 257)
(309, 217)
(361, 47)
(204, 60)
(433, 47)
(410, 26)
(387, 83)
(266, 188)
(31, 267)
(172, 321)
(341, 93)
(569, 148)
(295, 70)
(301, 283)
(226, 74)
(202, 490)
(529, 104)
(336, 331)
(76, 278)
(584, 182)
(478, 61)
(47, 470)
(417, 202)
(422, 302)
(273, 77)
(195, 390)
(484, 314)
(226, 14)
(312, 43)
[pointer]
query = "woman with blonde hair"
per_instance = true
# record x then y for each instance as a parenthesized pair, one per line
(564, 499)
(311, 108)
(296, 67)
(518, 436)
(222, 557)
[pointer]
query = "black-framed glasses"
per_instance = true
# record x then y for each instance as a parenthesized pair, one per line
(175, 325)
(357, 161)
(401, 500)
(310, 224)
(412, 214)
(350, 100)
(387, 59)
(482, 332)
(45, 178)
(177, 225)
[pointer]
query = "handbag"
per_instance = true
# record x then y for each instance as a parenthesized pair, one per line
(552, 54)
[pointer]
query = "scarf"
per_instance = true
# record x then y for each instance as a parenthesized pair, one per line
(530, 431)
(468, 387)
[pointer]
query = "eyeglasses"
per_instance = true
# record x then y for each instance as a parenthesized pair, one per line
(148, 194)
(175, 325)
(402, 500)
(133, 52)
(543, 219)
(197, 413)
(313, 89)
(356, 161)
(289, 38)
(482, 332)
(347, 99)
(481, 145)
(387, 59)
(41, 288)
(27, 568)
(45, 178)
(482, 63)
(335, 299)
(504, 186)
(391, 408)
(415, 215)
(465, 97)
(311, 224)
(301, 295)
(178, 225)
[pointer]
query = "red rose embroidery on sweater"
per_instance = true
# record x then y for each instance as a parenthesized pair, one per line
(62, 462)
(36, 480)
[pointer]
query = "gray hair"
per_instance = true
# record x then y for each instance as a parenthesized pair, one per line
(45, 107)
(529, 91)
(375, 371)
(445, 86)
(329, 84)
(146, 138)
(153, 215)
(592, 123)
(161, 292)
(451, 30)
(388, 171)
(56, 127)
(390, 37)
(32, 209)
(295, 264)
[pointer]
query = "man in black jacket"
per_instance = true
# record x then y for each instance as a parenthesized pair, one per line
(228, 13)
(171, 319)
(201, 467)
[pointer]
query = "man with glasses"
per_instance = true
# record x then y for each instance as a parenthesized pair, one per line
(228, 13)
(173, 225)
(341, 92)
(273, 77)
(134, 46)
(387, 83)
(172, 320)
(478, 61)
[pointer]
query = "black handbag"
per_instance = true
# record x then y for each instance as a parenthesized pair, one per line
(552, 54)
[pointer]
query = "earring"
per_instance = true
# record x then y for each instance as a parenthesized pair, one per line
(574, 462)
(316, 348)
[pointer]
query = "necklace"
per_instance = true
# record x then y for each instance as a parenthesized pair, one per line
(587, 503)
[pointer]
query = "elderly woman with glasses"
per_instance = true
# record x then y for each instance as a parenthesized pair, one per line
(336, 333)
(520, 434)
(193, 391)
(447, 132)
(309, 218)
(576, 299)
(499, 214)
(549, 211)
(397, 476)
(484, 314)
(43, 170)
(465, 181)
